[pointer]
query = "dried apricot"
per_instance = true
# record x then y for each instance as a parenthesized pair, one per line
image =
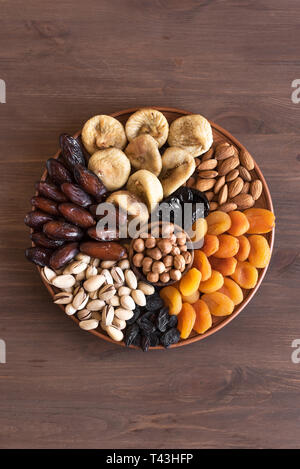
(199, 231)
(202, 263)
(218, 222)
(245, 275)
(218, 303)
(172, 299)
(261, 220)
(228, 246)
(232, 290)
(260, 252)
(244, 249)
(211, 244)
(186, 320)
(214, 283)
(224, 266)
(190, 282)
(191, 299)
(239, 223)
(203, 317)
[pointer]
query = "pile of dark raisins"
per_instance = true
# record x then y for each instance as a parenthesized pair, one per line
(152, 325)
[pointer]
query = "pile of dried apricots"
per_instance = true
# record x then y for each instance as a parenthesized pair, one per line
(234, 248)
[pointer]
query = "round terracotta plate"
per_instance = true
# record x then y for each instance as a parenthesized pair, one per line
(265, 201)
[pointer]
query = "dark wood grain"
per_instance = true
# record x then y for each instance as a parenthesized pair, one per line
(231, 61)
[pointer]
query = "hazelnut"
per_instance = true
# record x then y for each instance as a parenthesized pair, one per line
(181, 238)
(152, 277)
(144, 235)
(150, 242)
(158, 267)
(187, 257)
(138, 259)
(138, 245)
(175, 251)
(165, 246)
(164, 278)
(147, 264)
(179, 263)
(168, 261)
(183, 248)
(154, 253)
(175, 274)
(172, 238)
(167, 229)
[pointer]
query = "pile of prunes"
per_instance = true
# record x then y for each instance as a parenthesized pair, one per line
(152, 325)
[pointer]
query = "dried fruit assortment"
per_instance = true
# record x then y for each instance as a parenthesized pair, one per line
(138, 169)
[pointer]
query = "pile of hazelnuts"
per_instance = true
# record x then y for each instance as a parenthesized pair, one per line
(162, 255)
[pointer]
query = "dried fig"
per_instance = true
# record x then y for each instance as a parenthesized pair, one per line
(129, 203)
(112, 166)
(147, 187)
(177, 166)
(192, 132)
(143, 153)
(101, 132)
(148, 121)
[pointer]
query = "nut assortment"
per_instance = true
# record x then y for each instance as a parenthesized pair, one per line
(153, 296)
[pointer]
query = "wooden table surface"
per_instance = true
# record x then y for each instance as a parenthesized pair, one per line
(234, 62)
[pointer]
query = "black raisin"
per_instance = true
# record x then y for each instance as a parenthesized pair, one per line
(172, 321)
(136, 314)
(154, 302)
(145, 324)
(131, 334)
(162, 320)
(154, 339)
(145, 342)
(170, 337)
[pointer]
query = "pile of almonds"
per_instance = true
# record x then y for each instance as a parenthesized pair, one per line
(99, 293)
(223, 174)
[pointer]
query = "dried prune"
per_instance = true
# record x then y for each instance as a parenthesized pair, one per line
(40, 239)
(89, 182)
(154, 302)
(63, 255)
(62, 230)
(37, 218)
(136, 314)
(57, 172)
(131, 333)
(77, 195)
(71, 151)
(38, 255)
(145, 342)
(51, 191)
(145, 324)
(46, 205)
(170, 337)
(77, 215)
(177, 203)
(172, 321)
(162, 320)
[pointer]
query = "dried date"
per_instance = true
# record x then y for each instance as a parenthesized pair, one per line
(62, 230)
(76, 194)
(36, 219)
(63, 255)
(89, 182)
(46, 205)
(57, 172)
(77, 215)
(51, 191)
(102, 234)
(71, 151)
(40, 239)
(105, 250)
(38, 255)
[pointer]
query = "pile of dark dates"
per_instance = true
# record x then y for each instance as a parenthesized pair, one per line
(64, 218)
(152, 325)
